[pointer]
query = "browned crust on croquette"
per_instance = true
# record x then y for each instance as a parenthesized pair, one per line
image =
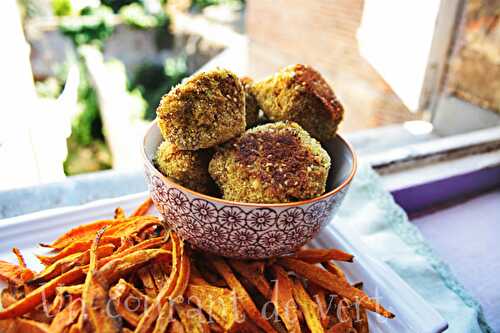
(299, 93)
(272, 163)
(206, 110)
(314, 83)
(251, 105)
(188, 168)
(285, 155)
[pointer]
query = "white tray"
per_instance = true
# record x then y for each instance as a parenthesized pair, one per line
(413, 314)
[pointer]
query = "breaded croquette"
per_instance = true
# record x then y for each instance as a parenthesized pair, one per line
(189, 168)
(206, 110)
(251, 106)
(299, 93)
(272, 163)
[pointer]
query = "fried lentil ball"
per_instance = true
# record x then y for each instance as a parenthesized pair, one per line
(206, 110)
(188, 168)
(272, 163)
(251, 106)
(299, 93)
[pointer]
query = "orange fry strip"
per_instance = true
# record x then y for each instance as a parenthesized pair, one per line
(75, 248)
(308, 307)
(166, 313)
(283, 300)
(319, 296)
(65, 264)
(119, 213)
(254, 274)
(19, 256)
(341, 328)
(74, 235)
(332, 283)
(66, 317)
(143, 208)
(34, 298)
(20, 325)
(246, 301)
(147, 282)
(95, 314)
(334, 269)
(219, 303)
(192, 319)
(315, 256)
(166, 292)
(14, 274)
(175, 327)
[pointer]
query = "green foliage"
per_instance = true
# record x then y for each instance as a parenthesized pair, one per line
(136, 16)
(49, 88)
(87, 151)
(94, 26)
(198, 5)
(155, 80)
(87, 125)
(61, 7)
(116, 5)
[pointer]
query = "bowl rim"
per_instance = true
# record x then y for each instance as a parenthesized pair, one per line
(325, 195)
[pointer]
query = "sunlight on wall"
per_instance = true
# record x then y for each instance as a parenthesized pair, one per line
(395, 37)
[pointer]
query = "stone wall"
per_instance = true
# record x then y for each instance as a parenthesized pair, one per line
(474, 73)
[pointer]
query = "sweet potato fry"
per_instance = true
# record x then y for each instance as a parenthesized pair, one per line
(115, 228)
(76, 247)
(119, 213)
(117, 267)
(34, 298)
(131, 317)
(192, 319)
(67, 263)
(196, 278)
(126, 242)
(243, 298)
(7, 298)
(164, 317)
(157, 274)
(315, 256)
(86, 231)
(15, 274)
(341, 328)
(65, 318)
(96, 316)
(175, 327)
(220, 303)
(254, 272)
(318, 294)
(283, 300)
(143, 208)
(167, 291)
(17, 325)
(19, 256)
(360, 318)
(332, 283)
(123, 294)
(147, 282)
(308, 307)
(334, 269)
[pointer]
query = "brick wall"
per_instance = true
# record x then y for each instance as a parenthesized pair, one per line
(322, 33)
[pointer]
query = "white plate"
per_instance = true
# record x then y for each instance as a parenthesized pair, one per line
(413, 314)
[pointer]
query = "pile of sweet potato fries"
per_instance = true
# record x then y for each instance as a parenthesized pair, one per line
(133, 274)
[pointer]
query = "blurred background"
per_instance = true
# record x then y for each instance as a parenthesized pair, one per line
(81, 79)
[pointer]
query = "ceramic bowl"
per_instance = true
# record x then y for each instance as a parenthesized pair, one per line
(247, 230)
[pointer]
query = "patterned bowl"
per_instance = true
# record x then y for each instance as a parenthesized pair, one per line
(246, 230)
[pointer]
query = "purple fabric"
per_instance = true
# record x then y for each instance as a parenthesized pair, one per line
(467, 237)
(425, 196)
